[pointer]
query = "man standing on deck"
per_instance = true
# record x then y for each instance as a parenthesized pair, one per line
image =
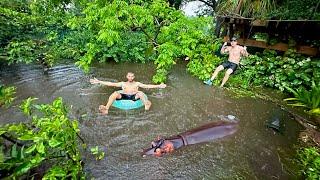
(235, 52)
(129, 91)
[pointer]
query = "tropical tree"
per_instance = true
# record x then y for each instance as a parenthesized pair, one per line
(49, 140)
(33, 30)
(152, 30)
(246, 8)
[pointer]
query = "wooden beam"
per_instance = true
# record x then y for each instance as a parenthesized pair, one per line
(279, 46)
(257, 22)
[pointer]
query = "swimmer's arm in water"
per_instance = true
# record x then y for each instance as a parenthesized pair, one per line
(152, 85)
(107, 83)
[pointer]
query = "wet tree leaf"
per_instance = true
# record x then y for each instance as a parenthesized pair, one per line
(14, 152)
(23, 168)
(31, 149)
(54, 142)
(40, 148)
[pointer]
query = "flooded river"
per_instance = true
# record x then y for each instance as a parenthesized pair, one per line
(253, 152)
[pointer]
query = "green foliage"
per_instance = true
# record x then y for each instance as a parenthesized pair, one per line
(140, 32)
(98, 154)
(26, 106)
(309, 159)
(261, 36)
(247, 8)
(292, 70)
(100, 31)
(269, 9)
(51, 137)
(124, 31)
(35, 30)
(161, 76)
(308, 99)
(6, 95)
(14, 20)
(131, 47)
(21, 51)
(296, 9)
(203, 65)
(244, 78)
(191, 38)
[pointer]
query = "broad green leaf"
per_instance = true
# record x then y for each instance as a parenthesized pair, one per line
(2, 132)
(75, 126)
(23, 168)
(25, 106)
(22, 152)
(40, 148)
(2, 156)
(14, 152)
(37, 159)
(30, 149)
(26, 137)
(101, 155)
(94, 150)
(54, 143)
(315, 111)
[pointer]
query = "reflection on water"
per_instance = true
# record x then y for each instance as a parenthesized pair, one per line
(254, 152)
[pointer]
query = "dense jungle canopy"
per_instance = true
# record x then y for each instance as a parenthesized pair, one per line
(87, 31)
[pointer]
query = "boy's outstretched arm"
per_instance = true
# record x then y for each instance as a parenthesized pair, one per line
(107, 83)
(152, 85)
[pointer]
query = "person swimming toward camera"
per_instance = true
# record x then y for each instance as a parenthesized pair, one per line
(130, 91)
(235, 53)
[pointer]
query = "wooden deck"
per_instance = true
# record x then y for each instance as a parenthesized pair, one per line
(302, 32)
(311, 51)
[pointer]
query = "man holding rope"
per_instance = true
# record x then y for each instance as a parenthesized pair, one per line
(235, 53)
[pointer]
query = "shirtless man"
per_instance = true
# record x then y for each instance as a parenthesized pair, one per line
(235, 52)
(129, 91)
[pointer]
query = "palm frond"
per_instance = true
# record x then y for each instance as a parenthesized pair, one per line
(298, 104)
(303, 98)
(290, 99)
(247, 8)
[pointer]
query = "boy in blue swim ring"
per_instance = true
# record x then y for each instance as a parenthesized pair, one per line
(130, 91)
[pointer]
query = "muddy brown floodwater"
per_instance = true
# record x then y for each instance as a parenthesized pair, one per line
(253, 152)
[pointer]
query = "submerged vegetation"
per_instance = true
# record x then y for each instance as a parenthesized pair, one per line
(6, 95)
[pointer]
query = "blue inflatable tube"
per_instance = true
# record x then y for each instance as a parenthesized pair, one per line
(127, 104)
